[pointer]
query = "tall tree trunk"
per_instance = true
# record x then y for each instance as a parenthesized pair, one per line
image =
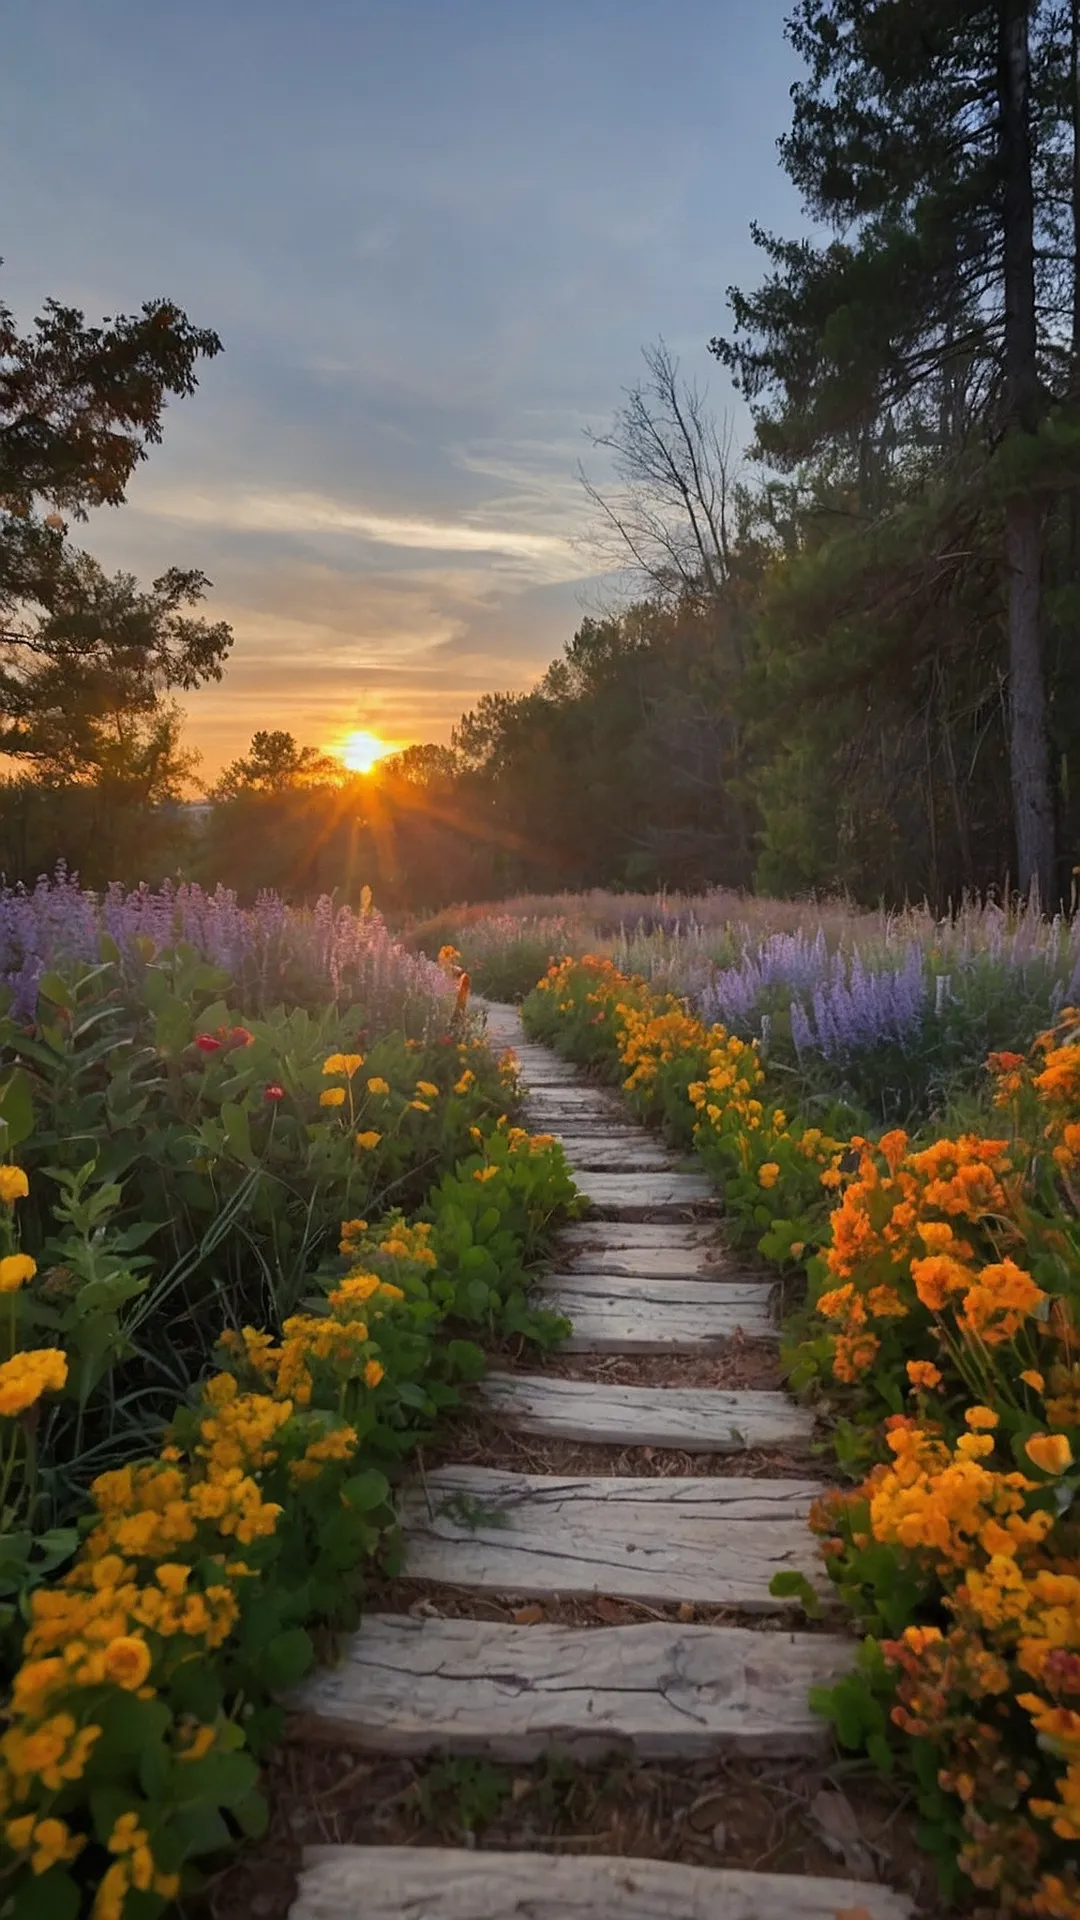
(1074, 89)
(1033, 811)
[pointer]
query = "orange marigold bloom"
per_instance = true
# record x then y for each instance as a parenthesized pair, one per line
(923, 1373)
(936, 1276)
(1050, 1452)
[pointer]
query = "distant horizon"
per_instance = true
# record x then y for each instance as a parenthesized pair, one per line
(433, 247)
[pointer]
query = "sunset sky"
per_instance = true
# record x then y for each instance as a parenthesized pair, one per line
(433, 235)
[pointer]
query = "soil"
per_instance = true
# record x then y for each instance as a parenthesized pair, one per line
(766, 1817)
(739, 1363)
(486, 1441)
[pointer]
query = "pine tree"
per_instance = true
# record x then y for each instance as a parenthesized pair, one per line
(932, 335)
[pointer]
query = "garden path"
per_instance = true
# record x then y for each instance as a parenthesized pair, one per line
(645, 1275)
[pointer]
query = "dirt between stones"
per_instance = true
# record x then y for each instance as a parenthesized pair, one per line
(765, 1816)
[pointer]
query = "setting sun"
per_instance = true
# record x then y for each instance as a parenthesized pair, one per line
(361, 750)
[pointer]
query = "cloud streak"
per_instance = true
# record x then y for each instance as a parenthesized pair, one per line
(297, 514)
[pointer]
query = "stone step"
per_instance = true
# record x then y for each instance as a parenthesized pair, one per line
(638, 1315)
(445, 1883)
(691, 1419)
(512, 1694)
(606, 1151)
(712, 1541)
(630, 1196)
(637, 1235)
(651, 1263)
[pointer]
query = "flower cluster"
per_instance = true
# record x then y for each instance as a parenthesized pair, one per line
(949, 1276)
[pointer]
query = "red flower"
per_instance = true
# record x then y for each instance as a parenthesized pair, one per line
(240, 1037)
(207, 1043)
(274, 1093)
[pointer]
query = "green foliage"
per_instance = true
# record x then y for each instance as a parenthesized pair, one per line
(270, 1505)
(177, 1187)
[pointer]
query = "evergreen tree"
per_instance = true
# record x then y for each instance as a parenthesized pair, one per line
(931, 335)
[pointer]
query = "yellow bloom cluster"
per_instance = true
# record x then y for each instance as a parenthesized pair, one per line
(26, 1376)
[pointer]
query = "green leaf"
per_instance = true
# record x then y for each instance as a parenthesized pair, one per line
(53, 1894)
(791, 1585)
(199, 1828)
(287, 1658)
(196, 1689)
(54, 988)
(16, 1111)
(234, 1119)
(173, 1028)
(366, 1490)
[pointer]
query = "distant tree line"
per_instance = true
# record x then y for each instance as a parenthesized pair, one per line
(847, 660)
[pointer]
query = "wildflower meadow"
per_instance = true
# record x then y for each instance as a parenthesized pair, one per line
(260, 1192)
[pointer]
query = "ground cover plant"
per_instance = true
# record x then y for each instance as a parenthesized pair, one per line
(940, 1341)
(244, 1259)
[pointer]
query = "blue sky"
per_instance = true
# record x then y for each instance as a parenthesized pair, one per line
(433, 235)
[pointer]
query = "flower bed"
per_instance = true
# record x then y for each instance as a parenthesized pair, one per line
(208, 1381)
(943, 1279)
(145, 1691)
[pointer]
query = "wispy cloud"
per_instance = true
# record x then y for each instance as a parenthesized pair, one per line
(548, 555)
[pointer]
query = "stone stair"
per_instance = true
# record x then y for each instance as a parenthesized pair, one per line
(645, 1274)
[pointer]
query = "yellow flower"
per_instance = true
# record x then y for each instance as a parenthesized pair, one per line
(373, 1373)
(111, 1896)
(467, 1078)
(769, 1174)
(54, 1844)
(15, 1270)
(26, 1376)
(1032, 1378)
(378, 1085)
(366, 1142)
(982, 1417)
(1050, 1452)
(350, 1063)
(199, 1743)
(127, 1661)
(14, 1185)
(334, 1063)
(428, 1089)
(483, 1174)
(421, 1106)
(923, 1373)
(333, 1097)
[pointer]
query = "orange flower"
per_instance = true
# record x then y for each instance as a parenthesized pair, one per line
(936, 1276)
(1050, 1452)
(923, 1373)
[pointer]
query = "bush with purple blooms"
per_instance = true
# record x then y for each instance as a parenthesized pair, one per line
(273, 954)
(892, 1014)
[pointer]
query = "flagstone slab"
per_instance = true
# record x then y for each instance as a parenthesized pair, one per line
(657, 1690)
(635, 1314)
(446, 1883)
(712, 1541)
(691, 1419)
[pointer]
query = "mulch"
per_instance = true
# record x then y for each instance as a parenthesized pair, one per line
(761, 1816)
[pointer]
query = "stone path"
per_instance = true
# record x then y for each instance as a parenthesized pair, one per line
(644, 1274)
